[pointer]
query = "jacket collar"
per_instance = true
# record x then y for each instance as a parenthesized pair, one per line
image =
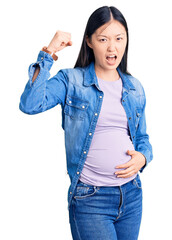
(90, 78)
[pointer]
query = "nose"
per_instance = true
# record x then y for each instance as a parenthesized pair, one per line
(111, 46)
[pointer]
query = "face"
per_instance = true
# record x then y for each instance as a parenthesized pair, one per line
(108, 44)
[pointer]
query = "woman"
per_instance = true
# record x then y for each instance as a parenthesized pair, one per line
(103, 117)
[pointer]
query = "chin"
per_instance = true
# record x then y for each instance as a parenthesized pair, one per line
(111, 67)
(106, 67)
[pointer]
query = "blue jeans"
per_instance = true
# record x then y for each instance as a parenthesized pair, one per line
(106, 213)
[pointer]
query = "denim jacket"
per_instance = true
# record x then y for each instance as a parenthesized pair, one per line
(80, 97)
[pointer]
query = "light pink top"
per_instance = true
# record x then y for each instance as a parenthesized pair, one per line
(110, 141)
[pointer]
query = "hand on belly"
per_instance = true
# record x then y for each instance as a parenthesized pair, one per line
(137, 161)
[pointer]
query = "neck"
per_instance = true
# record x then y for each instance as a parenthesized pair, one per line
(109, 75)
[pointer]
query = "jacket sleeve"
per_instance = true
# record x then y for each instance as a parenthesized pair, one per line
(142, 138)
(43, 93)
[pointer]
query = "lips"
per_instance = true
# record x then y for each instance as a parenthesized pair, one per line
(111, 59)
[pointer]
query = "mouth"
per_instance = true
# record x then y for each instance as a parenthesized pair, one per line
(111, 59)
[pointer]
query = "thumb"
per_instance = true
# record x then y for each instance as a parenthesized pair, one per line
(130, 152)
(69, 43)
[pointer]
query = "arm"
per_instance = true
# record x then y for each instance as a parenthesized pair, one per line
(42, 93)
(37, 70)
(142, 138)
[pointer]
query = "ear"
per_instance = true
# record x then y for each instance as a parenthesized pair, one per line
(88, 40)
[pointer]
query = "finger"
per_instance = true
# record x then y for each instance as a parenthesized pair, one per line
(122, 166)
(66, 39)
(62, 45)
(126, 165)
(129, 169)
(65, 44)
(126, 175)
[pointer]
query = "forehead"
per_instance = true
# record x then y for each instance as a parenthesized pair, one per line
(111, 28)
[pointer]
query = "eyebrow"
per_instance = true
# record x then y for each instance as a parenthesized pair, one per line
(115, 35)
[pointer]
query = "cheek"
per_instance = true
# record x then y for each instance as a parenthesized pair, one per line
(121, 49)
(98, 52)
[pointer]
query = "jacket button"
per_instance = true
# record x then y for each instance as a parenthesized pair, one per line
(100, 96)
(42, 58)
(129, 118)
(77, 172)
(123, 100)
(84, 152)
(90, 133)
(95, 114)
(70, 101)
(83, 106)
(70, 192)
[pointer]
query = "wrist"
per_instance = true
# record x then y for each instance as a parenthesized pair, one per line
(51, 49)
(45, 49)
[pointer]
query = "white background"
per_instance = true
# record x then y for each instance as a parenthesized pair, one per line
(33, 176)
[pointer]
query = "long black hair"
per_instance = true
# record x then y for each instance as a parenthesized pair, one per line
(98, 18)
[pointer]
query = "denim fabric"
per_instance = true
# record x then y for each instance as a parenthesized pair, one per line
(106, 213)
(80, 97)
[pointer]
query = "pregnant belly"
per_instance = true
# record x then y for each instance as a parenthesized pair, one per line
(108, 150)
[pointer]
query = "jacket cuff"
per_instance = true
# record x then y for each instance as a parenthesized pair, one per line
(45, 59)
(45, 62)
(146, 155)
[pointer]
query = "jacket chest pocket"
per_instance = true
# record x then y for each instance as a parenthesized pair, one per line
(138, 116)
(75, 107)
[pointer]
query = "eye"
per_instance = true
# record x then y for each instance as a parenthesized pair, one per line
(103, 40)
(119, 38)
